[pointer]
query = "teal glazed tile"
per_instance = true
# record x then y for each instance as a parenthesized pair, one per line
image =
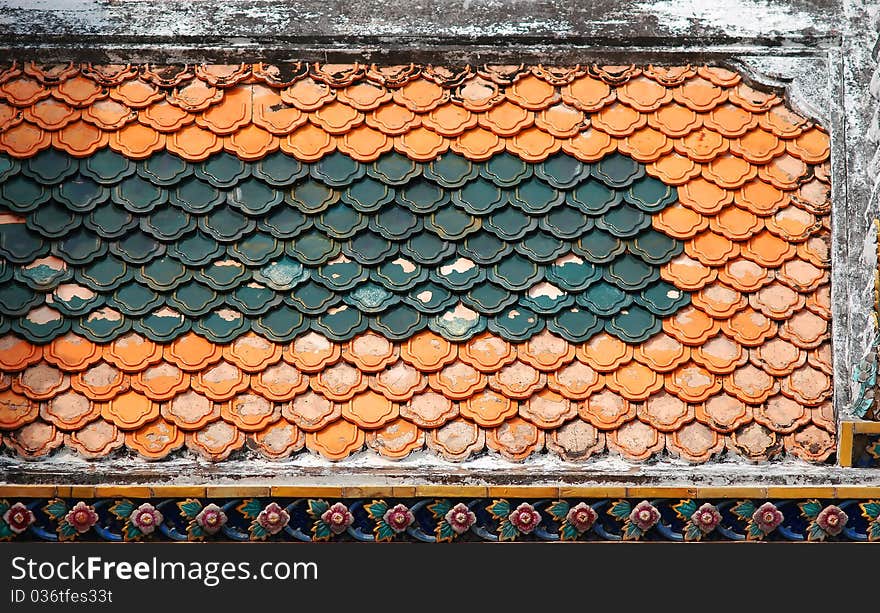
(277, 246)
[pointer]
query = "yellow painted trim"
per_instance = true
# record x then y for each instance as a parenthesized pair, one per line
(9, 490)
(866, 427)
(845, 446)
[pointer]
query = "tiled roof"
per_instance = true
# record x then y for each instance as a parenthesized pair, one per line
(331, 257)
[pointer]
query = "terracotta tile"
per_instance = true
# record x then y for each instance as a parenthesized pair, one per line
(49, 114)
(336, 441)
(95, 440)
(422, 145)
(279, 382)
(576, 381)
(428, 352)
(604, 353)
(813, 196)
(679, 221)
(70, 411)
(193, 143)
(277, 441)
(755, 442)
(821, 358)
(675, 120)
(272, 114)
(190, 411)
(694, 443)
(251, 143)
(744, 275)
(250, 412)
(711, 249)
(215, 442)
(588, 94)
(79, 139)
(783, 122)
(396, 440)
(607, 410)
(730, 120)
(108, 114)
(370, 352)
(729, 171)
(589, 145)
(753, 100)
(457, 381)
(674, 169)
(802, 276)
(165, 117)
(750, 384)
(819, 302)
(824, 417)
(16, 410)
(370, 410)
(719, 301)
(777, 357)
(793, 224)
(103, 382)
(811, 444)
(132, 353)
(643, 94)
(506, 119)
(692, 383)
(312, 352)
(195, 96)
(447, 119)
(704, 196)
(477, 94)
(702, 145)
(457, 441)
(661, 353)
(807, 385)
(665, 412)
(670, 76)
(515, 439)
(252, 353)
(34, 440)
(699, 94)
(421, 96)
(11, 116)
(429, 409)
(220, 381)
(749, 327)
(308, 94)
(561, 120)
(776, 301)
(336, 118)
(533, 145)
(222, 75)
(761, 198)
(575, 441)
(618, 120)
(155, 440)
(363, 96)
(736, 224)
(136, 141)
(23, 91)
(634, 381)
(71, 353)
(782, 414)
(24, 140)
(691, 326)
(309, 143)
(758, 146)
(547, 409)
(723, 413)
(40, 381)
(487, 352)
(339, 382)
(398, 382)
(130, 410)
(545, 352)
(784, 172)
(720, 354)
(532, 93)
(645, 145)
(635, 440)
(136, 93)
(805, 329)
(311, 412)
(364, 144)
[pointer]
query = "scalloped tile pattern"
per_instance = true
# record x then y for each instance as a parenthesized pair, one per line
(519, 260)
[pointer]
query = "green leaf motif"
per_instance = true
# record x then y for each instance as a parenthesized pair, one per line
(507, 531)
(317, 508)
(195, 532)
(631, 532)
(440, 508)
(383, 531)
(250, 508)
(744, 509)
(692, 532)
(122, 509)
(321, 530)
(499, 509)
(258, 532)
(567, 532)
(444, 532)
(685, 509)
(56, 509)
(874, 531)
(377, 509)
(754, 532)
(815, 533)
(66, 531)
(4, 506)
(559, 510)
(190, 508)
(811, 508)
(132, 533)
(620, 509)
(870, 509)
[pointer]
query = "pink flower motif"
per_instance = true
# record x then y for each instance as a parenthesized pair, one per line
(211, 518)
(644, 515)
(145, 518)
(338, 518)
(81, 517)
(18, 517)
(706, 518)
(460, 518)
(832, 520)
(399, 518)
(767, 517)
(273, 518)
(525, 518)
(582, 516)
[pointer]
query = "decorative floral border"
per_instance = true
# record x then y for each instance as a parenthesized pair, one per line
(438, 520)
